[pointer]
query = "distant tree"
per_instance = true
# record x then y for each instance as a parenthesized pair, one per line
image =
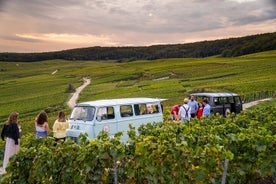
(70, 88)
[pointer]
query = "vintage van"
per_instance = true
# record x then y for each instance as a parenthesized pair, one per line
(222, 103)
(112, 116)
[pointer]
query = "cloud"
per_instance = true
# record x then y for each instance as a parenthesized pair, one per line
(68, 38)
(136, 22)
(21, 38)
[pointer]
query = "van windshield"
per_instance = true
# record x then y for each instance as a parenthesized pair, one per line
(85, 113)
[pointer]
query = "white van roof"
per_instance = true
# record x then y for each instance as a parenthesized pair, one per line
(120, 101)
(215, 94)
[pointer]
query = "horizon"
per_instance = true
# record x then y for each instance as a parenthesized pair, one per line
(61, 25)
(131, 46)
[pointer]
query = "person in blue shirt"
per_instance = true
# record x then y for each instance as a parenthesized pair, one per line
(193, 105)
(206, 109)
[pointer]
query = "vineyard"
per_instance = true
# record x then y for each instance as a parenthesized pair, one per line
(163, 152)
(34, 86)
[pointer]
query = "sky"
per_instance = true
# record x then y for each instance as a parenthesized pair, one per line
(53, 25)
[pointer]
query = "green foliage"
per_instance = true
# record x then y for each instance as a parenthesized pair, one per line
(160, 153)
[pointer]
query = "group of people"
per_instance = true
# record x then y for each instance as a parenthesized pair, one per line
(59, 127)
(11, 131)
(190, 109)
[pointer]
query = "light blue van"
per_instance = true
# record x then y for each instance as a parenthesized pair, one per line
(112, 116)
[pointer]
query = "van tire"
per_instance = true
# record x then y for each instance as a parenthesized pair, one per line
(227, 112)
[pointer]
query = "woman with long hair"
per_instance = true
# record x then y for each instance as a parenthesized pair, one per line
(11, 131)
(41, 125)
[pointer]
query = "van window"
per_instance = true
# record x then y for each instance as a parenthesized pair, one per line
(216, 101)
(221, 100)
(238, 100)
(106, 113)
(231, 99)
(85, 113)
(224, 100)
(201, 98)
(126, 111)
(152, 108)
(140, 109)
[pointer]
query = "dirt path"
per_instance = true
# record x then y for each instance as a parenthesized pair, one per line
(250, 104)
(72, 102)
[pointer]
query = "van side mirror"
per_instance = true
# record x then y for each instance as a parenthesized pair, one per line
(99, 118)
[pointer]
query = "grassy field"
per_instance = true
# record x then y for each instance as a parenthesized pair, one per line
(31, 87)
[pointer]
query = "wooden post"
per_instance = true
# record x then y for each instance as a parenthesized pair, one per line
(223, 180)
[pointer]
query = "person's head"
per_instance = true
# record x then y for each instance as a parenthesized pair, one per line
(205, 101)
(192, 97)
(149, 108)
(13, 117)
(61, 116)
(200, 104)
(186, 100)
(42, 118)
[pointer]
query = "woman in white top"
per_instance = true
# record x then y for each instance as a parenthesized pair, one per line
(41, 125)
(60, 126)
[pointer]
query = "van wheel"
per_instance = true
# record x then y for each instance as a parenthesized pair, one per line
(227, 112)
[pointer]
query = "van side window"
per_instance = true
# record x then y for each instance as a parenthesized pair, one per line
(155, 108)
(238, 100)
(110, 113)
(126, 111)
(231, 100)
(152, 108)
(140, 109)
(106, 113)
(216, 101)
(201, 98)
(221, 100)
(224, 100)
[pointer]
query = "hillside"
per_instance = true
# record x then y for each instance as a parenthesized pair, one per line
(29, 87)
(231, 47)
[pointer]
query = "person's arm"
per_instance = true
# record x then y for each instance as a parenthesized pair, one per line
(47, 127)
(55, 127)
(3, 133)
(175, 115)
(204, 112)
(179, 114)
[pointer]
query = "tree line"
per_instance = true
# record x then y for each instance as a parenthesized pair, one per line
(230, 47)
